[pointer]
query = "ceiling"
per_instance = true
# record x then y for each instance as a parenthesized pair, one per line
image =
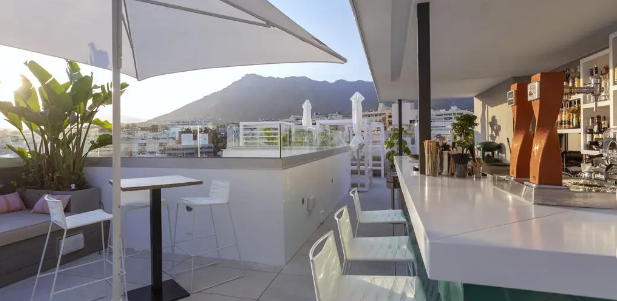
(476, 44)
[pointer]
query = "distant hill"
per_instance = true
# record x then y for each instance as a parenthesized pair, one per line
(254, 97)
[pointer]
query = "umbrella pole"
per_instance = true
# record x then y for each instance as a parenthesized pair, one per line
(116, 54)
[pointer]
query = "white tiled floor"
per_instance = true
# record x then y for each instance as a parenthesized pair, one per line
(261, 282)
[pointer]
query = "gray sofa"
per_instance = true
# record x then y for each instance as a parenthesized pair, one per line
(22, 238)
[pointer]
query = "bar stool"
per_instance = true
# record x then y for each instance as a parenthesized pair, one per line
(135, 200)
(389, 216)
(56, 211)
(332, 285)
(219, 195)
(382, 249)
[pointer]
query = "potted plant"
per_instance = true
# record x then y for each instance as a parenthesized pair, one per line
(462, 130)
(392, 151)
(55, 120)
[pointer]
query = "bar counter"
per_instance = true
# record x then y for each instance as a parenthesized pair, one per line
(477, 242)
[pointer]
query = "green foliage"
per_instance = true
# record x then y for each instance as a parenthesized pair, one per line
(302, 137)
(462, 130)
(62, 115)
(392, 146)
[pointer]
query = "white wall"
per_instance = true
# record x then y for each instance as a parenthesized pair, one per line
(328, 180)
(409, 113)
(495, 117)
(269, 219)
(255, 201)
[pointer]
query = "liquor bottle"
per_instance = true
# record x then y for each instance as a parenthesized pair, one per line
(566, 77)
(574, 116)
(595, 69)
(578, 76)
(559, 119)
(572, 77)
(568, 116)
(604, 124)
(578, 113)
(597, 131)
(590, 132)
(563, 117)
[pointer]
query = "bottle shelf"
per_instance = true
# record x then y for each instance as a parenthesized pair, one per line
(590, 152)
(569, 131)
(576, 96)
(604, 103)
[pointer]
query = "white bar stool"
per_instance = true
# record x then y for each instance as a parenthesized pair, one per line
(383, 249)
(389, 216)
(219, 195)
(332, 285)
(56, 211)
(135, 200)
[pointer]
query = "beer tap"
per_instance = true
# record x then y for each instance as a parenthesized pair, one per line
(595, 89)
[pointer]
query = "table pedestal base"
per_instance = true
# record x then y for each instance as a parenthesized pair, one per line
(171, 291)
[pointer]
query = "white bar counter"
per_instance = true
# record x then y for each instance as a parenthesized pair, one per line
(470, 232)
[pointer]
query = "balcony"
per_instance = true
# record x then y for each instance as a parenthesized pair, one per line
(272, 273)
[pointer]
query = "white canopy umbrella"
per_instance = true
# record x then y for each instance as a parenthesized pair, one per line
(356, 119)
(356, 112)
(163, 37)
(306, 114)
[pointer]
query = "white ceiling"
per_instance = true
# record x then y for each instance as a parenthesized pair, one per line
(476, 44)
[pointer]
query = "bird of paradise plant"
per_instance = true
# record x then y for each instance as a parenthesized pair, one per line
(61, 115)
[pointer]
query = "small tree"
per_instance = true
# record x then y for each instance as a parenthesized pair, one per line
(462, 130)
(392, 146)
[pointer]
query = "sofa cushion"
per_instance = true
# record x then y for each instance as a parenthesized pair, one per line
(42, 206)
(22, 225)
(11, 203)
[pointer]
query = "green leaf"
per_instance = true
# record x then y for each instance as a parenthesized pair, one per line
(56, 93)
(7, 109)
(103, 124)
(81, 91)
(73, 71)
(22, 153)
(26, 95)
(102, 141)
(44, 100)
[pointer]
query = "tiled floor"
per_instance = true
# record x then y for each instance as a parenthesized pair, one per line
(260, 282)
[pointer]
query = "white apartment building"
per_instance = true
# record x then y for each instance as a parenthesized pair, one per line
(410, 116)
(382, 115)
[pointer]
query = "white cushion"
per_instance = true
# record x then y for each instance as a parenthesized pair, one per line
(87, 218)
(382, 216)
(395, 248)
(379, 288)
(202, 201)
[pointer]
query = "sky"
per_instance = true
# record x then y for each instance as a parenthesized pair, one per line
(331, 21)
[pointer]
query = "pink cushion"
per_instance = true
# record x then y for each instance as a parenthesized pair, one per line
(42, 207)
(10, 203)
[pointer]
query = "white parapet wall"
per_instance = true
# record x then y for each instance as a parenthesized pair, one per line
(268, 200)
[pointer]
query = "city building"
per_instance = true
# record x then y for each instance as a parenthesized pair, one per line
(382, 115)
(410, 116)
(441, 121)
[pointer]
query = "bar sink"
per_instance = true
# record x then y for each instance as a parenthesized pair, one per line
(588, 185)
(586, 193)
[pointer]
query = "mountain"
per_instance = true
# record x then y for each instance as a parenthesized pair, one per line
(255, 97)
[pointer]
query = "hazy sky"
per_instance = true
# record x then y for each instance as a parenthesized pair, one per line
(329, 20)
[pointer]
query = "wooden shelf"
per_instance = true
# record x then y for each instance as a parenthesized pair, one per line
(569, 131)
(590, 152)
(604, 103)
(576, 96)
